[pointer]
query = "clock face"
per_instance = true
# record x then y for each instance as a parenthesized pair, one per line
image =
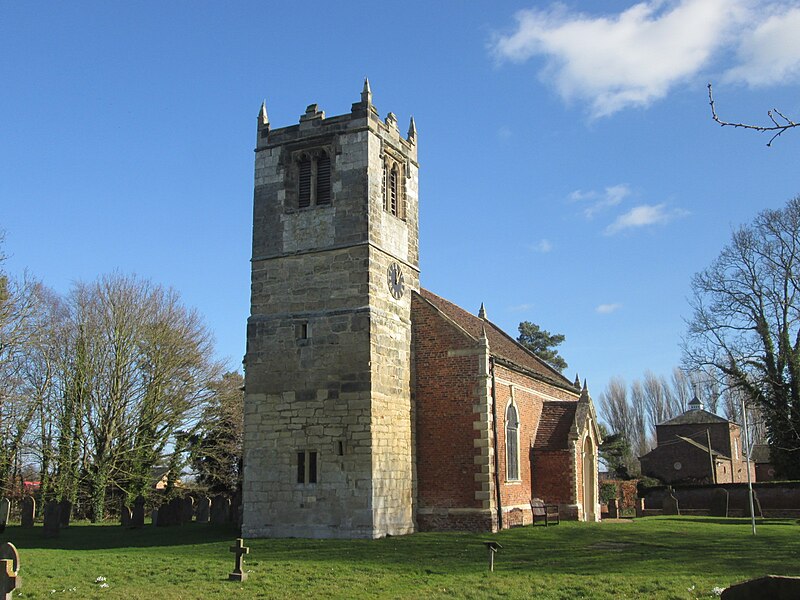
(394, 277)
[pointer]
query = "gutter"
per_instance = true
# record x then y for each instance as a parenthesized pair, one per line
(496, 452)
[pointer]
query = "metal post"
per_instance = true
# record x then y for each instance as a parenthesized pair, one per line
(747, 457)
(711, 458)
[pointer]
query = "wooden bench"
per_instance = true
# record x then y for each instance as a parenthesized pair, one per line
(544, 513)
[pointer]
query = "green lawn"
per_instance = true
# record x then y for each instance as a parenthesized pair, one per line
(657, 557)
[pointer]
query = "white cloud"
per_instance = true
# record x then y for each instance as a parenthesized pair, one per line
(544, 246)
(504, 132)
(599, 201)
(644, 215)
(769, 53)
(520, 307)
(635, 57)
(605, 309)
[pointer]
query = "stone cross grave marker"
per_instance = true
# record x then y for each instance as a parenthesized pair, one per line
(52, 519)
(5, 510)
(9, 569)
(240, 550)
(28, 511)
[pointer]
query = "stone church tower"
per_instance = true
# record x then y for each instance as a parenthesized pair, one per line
(329, 449)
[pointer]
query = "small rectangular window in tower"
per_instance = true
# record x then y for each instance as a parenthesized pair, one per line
(339, 448)
(301, 330)
(304, 183)
(301, 467)
(323, 179)
(307, 467)
(312, 467)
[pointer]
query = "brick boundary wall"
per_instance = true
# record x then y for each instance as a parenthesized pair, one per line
(777, 499)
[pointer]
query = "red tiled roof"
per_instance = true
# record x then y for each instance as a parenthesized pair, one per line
(501, 344)
(554, 425)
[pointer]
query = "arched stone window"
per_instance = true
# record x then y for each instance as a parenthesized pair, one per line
(393, 189)
(512, 443)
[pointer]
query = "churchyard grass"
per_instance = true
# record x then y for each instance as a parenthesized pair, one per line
(657, 557)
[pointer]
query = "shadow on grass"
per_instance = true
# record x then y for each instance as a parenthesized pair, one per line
(682, 546)
(732, 520)
(102, 536)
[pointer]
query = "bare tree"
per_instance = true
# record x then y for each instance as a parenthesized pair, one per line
(746, 325)
(780, 122)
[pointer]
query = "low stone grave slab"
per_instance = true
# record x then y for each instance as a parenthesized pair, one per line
(774, 587)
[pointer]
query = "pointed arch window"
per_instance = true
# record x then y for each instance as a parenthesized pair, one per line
(394, 189)
(512, 443)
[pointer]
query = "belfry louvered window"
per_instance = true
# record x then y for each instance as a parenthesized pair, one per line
(393, 189)
(304, 187)
(323, 187)
(314, 179)
(512, 443)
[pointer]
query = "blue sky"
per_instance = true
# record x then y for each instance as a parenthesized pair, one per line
(570, 172)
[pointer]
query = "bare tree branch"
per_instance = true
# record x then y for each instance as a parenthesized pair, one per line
(777, 126)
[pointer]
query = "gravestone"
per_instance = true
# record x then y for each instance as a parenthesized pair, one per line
(757, 506)
(27, 511)
(774, 587)
(125, 516)
(639, 508)
(52, 519)
(176, 511)
(187, 509)
(154, 517)
(137, 516)
(203, 509)
(719, 503)
(670, 506)
(170, 513)
(613, 509)
(239, 549)
(5, 511)
(220, 510)
(66, 512)
(9, 569)
(236, 508)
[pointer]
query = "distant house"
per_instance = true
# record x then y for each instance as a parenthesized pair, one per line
(159, 477)
(765, 470)
(682, 454)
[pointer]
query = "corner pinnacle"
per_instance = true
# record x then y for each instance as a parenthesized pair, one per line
(482, 312)
(412, 130)
(366, 92)
(263, 119)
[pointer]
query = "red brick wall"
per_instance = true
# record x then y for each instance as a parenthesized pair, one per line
(446, 388)
(445, 391)
(695, 465)
(553, 476)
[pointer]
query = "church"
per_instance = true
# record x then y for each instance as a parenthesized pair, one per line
(374, 407)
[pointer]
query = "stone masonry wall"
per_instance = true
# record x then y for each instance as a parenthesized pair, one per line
(328, 359)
